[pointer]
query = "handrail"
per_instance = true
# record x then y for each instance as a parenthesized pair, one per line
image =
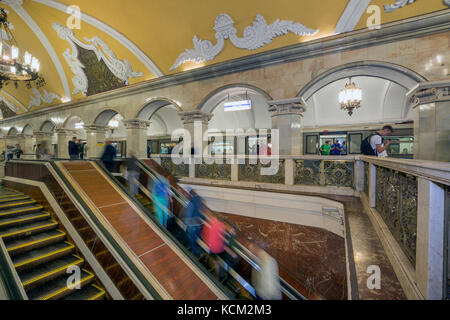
(165, 231)
(10, 277)
(244, 253)
(142, 279)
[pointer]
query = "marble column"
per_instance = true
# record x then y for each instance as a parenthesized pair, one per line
(287, 118)
(95, 140)
(431, 109)
(46, 137)
(63, 137)
(430, 273)
(196, 124)
(137, 137)
(26, 143)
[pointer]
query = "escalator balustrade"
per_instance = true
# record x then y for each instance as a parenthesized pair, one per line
(41, 252)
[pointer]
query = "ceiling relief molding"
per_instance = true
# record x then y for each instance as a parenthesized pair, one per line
(399, 4)
(351, 16)
(120, 68)
(127, 43)
(37, 98)
(10, 97)
(9, 104)
(16, 5)
(255, 36)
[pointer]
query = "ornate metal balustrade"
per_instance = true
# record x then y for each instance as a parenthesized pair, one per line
(366, 178)
(307, 172)
(214, 171)
(178, 170)
(396, 201)
(251, 171)
(325, 173)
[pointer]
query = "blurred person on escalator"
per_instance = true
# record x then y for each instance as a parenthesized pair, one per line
(109, 153)
(45, 151)
(133, 174)
(161, 198)
(193, 221)
(213, 234)
(266, 280)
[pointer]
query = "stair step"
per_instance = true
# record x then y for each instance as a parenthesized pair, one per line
(18, 203)
(92, 292)
(58, 288)
(27, 230)
(24, 219)
(32, 242)
(20, 210)
(16, 198)
(48, 271)
(9, 195)
(38, 256)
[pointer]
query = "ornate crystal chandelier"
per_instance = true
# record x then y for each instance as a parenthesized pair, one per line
(350, 97)
(12, 67)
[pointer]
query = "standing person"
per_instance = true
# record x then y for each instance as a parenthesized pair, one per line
(9, 152)
(193, 221)
(266, 280)
(336, 148)
(18, 151)
(74, 150)
(344, 148)
(373, 145)
(160, 198)
(325, 148)
(108, 155)
(133, 174)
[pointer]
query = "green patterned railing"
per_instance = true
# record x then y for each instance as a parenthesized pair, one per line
(396, 201)
(214, 171)
(252, 172)
(307, 172)
(178, 170)
(366, 178)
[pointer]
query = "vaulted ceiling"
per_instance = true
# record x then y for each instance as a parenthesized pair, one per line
(124, 42)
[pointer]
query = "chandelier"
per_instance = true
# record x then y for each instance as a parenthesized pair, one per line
(113, 124)
(12, 68)
(350, 97)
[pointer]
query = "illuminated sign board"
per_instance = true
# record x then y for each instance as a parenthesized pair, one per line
(237, 105)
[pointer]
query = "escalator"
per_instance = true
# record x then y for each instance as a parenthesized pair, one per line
(238, 277)
(41, 252)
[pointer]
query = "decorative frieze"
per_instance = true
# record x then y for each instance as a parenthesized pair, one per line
(255, 36)
(37, 98)
(136, 124)
(429, 92)
(286, 107)
(195, 116)
(95, 128)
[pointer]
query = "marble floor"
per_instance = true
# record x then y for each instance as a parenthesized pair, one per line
(318, 253)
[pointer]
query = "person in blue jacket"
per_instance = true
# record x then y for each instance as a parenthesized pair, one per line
(194, 221)
(108, 156)
(160, 198)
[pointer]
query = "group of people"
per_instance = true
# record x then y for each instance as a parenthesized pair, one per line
(75, 149)
(12, 151)
(334, 148)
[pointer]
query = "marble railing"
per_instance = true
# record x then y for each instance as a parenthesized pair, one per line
(317, 171)
(407, 201)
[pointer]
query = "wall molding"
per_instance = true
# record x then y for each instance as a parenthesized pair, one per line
(120, 68)
(412, 28)
(255, 36)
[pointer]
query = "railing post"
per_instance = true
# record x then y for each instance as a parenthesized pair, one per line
(430, 239)
(234, 170)
(192, 168)
(322, 172)
(289, 172)
(359, 175)
(372, 185)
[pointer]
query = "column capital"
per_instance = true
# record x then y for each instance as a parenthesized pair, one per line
(66, 131)
(43, 134)
(136, 123)
(95, 128)
(194, 116)
(429, 92)
(293, 106)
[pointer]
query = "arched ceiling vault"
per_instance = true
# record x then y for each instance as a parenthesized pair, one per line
(134, 41)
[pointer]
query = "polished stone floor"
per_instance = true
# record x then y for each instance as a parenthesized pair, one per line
(318, 256)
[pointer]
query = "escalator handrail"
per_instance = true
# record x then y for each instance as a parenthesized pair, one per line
(8, 273)
(165, 231)
(242, 251)
(143, 280)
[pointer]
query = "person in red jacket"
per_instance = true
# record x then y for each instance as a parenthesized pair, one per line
(213, 235)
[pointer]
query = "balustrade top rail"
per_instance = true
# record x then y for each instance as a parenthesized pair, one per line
(281, 157)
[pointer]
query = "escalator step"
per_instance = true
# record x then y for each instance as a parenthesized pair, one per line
(24, 219)
(58, 288)
(16, 198)
(28, 229)
(9, 195)
(48, 271)
(18, 203)
(38, 240)
(19, 211)
(91, 292)
(38, 256)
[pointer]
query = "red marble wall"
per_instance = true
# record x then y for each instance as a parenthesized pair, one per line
(314, 256)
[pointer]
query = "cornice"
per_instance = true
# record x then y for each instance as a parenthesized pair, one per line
(406, 29)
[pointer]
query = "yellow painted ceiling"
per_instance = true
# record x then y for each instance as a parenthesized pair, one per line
(163, 29)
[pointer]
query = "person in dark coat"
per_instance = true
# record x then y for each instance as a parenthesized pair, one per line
(74, 150)
(193, 221)
(108, 156)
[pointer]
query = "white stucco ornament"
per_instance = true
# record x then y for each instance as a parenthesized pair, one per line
(255, 36)
(120, 68)
(397, 5)
(37, 98)
(9, 104)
